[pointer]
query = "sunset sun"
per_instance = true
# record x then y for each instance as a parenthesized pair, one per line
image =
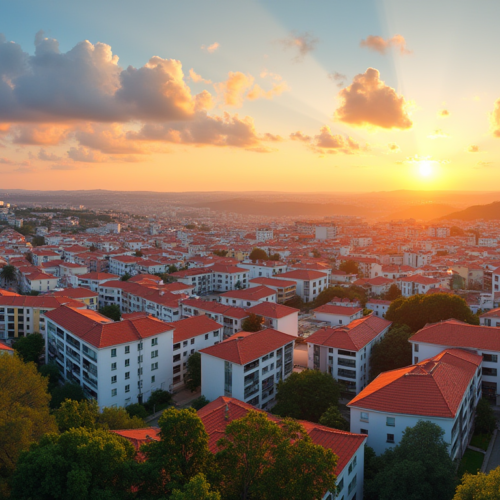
(425, 168)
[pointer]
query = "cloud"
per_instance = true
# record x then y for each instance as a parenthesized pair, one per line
(495, 119)
(40, 134)
(239, 87)
(443, 113)
(204, 130)
(265, 74)
(63, 167)
(327, 143)
(271, 137)
(211, 48)
(300, 136)
(381, 45)
(483, 164)
(8, 161)
(86, 83)
(438, 134)
(473, 149)
(301, 44)
(110, 139)
(197, 78)
(368, 101)
(44, 156)
(338, 78)
(84, 155)
(393, 147)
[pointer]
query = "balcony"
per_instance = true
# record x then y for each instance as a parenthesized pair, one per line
(251, 390)
(346, 373)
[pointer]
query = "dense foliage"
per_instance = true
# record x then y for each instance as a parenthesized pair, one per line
(252, 323)
(193, 375)
(485, 418)
(111, 311)
(418, 310)
(479, 486)
(30, 348)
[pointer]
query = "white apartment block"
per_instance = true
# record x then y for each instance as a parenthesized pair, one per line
(414, 259)
(325, 232)
(264, 269)
(247, 367)
(495, 280)
(438, 232)
(490, 318)
(417, 284)
(278, 317)
(123, 264)
(249, 297)
(337, 315)
(264, 234)
(344, 352)
(378, 306)
(444, 390)
(116, 363)
(284, 289)
(309, 283)
(94, 280)
(487, 242)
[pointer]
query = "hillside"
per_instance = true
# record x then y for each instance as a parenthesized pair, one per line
(486, 212)
(284, 208)
(423, 212)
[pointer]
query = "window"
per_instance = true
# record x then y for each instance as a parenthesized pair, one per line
(113, 392)
(139, 346)
(139, 384)
(177, 369)
(192, 341)
(127, 388)
(489, 371)
(353, 464)
(113, 366)
(415, 347)
(364, 417)
(113, 379)
(154, 342)
(113, 353)
(216, 334)
(177, 357)
(363, 431)
(177, 346)
(390, 438)
(154, 354)
(127, 362)
(415, 360)
(492, 358)
(206, 336)
(139, 371)
(153, 378)
(154, 366)
(390, 422)
(127, 349)
(185, 343)
(352, 485)
(127, 375)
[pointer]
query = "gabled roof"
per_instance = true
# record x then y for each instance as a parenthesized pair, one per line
(219, 413)
(194, 326)
(75, 293)
(339, 310)
(244, 347)
(352, 337)
(454, 333)
(216, 307)
(302, 274)
(434, 387)
(255, 293)
(98, 276)
(39, 301)
(100, 331)
(272, 310)
(278, 283)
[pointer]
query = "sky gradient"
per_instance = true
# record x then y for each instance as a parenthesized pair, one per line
(270, 95)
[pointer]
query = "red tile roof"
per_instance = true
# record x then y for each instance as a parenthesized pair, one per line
(434, 387)
(255, 293)
(100, 331)
(304, 275)
(219, 413)
(98, 276)
(340, 310)
(75, 293)
(454, 333)
(39, 302)
(244, 347)
(352, 337)
(272, 310)
(216, 307)
(278, 283)
(194, 326)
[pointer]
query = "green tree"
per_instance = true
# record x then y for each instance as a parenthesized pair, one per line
(81, 463)
(111, 311)
(193, 375)
(30, 348)
(199, 403)
(38, 241)
(351, 293)
(260, 458)
(419, 467)
(190, 226)
(197, 488)
(181, 454)
(158, 400)
(24, 412)
(349, 267)
(125, 277)
(138, 253)
(306, 395)
(479, 486)
(136, 410)
(393, 293)
(334, 419)
(257, 254)
(485, 418)
(392, 351)
(8, 273)
(172, 269)
(51, 371)
(252, 323)
(418, 310)
(67, 391)
(274, 257)
(296, 302)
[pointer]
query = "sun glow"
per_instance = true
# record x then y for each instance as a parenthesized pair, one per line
(425, 168)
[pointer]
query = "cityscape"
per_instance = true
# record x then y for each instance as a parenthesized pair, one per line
(249, 264)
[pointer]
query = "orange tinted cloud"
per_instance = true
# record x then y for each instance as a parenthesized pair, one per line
(495, 119)
(443, 113)
(381, 45)
(258, 92)
(110, 139)
(393, 147)
(300, 136)
(327, 143)
(301, 44)
(234, 88)
(438, 134)
(368, 101)
(473, 149)
(211, 48)
(196, 77)
(40, 134)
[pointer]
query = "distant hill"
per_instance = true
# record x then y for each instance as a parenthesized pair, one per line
(486, 212)
(283, 208)
(425, 212)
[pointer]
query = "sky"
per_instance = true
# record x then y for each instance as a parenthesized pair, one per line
(270, 95)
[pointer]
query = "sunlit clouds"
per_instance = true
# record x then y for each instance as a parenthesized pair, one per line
(381, 45)
(211, 48)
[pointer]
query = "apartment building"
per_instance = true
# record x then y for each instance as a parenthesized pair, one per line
(417, 284)
(490, 318)
(309, 283)
(277, 316)
(285, 290)
(94, 280)
(83, 295)
(264, 268)
(325, 232)
(247, 366)
(344, 352)
(337, 315)
(263, 234)
(190, 336)
(249, 297)
(116, 363)
(444, 390)
(378, 306)
(123, 264)
(36, 281)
